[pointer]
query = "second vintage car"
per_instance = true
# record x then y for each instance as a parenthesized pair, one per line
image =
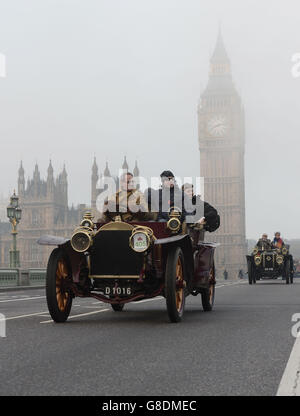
(269, 264)
(120, 262)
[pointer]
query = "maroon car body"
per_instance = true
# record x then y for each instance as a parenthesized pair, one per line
(119, 262)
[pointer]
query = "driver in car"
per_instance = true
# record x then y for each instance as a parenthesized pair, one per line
(170, 196)
(264, 243)
(128, 202)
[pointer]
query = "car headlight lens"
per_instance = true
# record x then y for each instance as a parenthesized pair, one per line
(257, 260)
(284, 251)
(139, 241)
(174, 224)
(255, 250)
(81, 241)
(87, 223)
(279, 259)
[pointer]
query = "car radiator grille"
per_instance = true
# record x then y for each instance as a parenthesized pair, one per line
(111, 255)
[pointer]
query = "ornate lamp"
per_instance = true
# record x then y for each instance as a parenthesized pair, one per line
(14, 213)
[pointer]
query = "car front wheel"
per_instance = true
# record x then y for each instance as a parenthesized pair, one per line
(175, 284)
(250, 272)
(59, 298)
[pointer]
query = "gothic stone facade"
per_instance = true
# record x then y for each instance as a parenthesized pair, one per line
(221, 145)
(44, 211)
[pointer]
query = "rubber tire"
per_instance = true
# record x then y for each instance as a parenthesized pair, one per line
(117, 307)
(170, 284)
(206, 305)
(287, 271)
(56, 314)
(250, 272)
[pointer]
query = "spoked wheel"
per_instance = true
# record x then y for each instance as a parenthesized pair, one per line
(175, 284)
(59, 299)
(117, 307)
(208, 294)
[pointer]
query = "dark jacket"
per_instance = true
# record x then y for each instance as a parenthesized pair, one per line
(211, 215)
(265, 244)
(163, 199)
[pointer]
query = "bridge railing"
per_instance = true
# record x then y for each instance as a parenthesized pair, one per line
(22, 277)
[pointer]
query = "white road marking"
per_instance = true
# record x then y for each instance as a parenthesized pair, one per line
(89, 313)
(149, 300)
(16, 300)
(25, 316)
(290, 381)
(76, 316)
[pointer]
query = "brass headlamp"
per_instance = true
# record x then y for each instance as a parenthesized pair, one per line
(87, 220)
(174, 222)
(255, 250)
(257, 260)
(279, 259)
(141, 238)
(81, 239)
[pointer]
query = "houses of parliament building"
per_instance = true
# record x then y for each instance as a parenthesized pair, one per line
(221, 136)
(45, 211)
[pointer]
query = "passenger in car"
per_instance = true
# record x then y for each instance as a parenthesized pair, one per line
(203, 209)
(278, 241)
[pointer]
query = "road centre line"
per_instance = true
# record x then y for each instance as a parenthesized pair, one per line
(25, 316)
(76, 316)
(16, 300)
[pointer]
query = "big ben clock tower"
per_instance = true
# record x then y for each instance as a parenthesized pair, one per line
(221, 145)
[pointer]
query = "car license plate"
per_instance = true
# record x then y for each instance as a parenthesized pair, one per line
(125, 291)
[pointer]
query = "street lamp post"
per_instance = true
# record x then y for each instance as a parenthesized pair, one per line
(14, 213)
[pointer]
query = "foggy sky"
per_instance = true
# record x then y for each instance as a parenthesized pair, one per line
(115, 77)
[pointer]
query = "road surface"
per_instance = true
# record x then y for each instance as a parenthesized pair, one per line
(242, 347)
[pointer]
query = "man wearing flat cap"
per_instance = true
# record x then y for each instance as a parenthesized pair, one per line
(168, 196)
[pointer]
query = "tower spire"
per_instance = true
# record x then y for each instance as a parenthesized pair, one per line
(106, 170)
(95, 168)
(125, 164)
(50, 179)
(21, 180)
(219, 54)
(50, 170)
(136, 171)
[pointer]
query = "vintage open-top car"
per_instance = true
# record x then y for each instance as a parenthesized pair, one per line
(269, 263)
(119, 262)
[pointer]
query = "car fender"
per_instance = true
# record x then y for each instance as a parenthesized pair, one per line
(184, 242)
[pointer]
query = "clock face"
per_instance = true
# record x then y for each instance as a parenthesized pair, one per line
(217, 125)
